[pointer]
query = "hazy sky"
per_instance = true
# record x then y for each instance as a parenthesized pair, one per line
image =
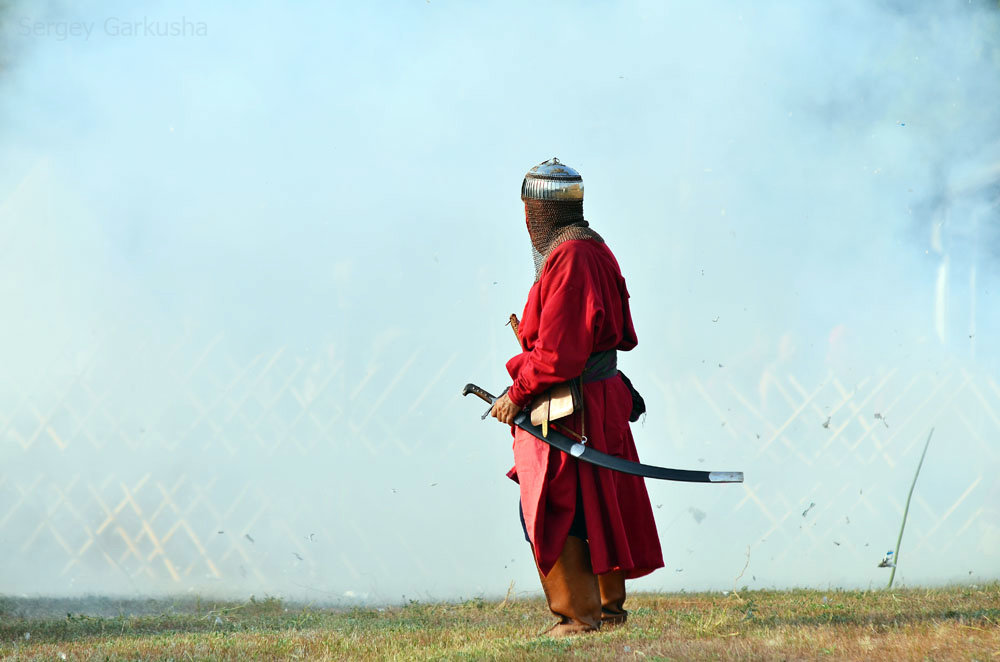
(252, 253)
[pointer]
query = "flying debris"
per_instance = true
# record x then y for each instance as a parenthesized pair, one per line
(247, 536)
(298, 556)
(826, 423)
(806, 511)
(880, 417)
(887, 561)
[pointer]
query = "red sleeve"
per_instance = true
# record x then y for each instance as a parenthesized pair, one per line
(572, 311)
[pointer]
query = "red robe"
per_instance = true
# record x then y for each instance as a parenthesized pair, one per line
(578, 307)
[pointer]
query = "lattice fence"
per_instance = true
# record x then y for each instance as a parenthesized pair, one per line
(829, 465)
(191, 488)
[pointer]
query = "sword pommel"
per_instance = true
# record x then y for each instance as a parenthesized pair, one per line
(479, 392)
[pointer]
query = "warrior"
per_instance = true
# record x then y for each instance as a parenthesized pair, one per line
(589, 528)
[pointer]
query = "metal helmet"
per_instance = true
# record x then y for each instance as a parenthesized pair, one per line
(551, 180)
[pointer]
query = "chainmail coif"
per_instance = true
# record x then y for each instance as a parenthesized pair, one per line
(550, 223)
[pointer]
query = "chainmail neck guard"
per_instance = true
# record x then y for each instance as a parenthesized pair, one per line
(550, 223)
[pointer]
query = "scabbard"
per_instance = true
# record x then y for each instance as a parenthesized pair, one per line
(587, 454)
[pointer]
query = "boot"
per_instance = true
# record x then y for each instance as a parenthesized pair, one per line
(572, 591)
(612, 598)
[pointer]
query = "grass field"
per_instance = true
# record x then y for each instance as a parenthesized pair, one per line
(959, 623)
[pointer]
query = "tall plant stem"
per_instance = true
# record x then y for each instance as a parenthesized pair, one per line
(906, 510)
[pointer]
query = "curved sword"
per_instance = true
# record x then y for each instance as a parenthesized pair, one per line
(596, 457)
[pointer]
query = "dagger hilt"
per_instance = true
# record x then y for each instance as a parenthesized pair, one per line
(516, 325)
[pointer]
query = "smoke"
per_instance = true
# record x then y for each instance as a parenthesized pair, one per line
(250, 258)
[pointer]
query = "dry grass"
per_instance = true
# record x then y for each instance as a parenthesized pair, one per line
(960, 623)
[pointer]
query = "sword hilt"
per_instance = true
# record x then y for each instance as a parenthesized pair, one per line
(485, 395)
(482, 393)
